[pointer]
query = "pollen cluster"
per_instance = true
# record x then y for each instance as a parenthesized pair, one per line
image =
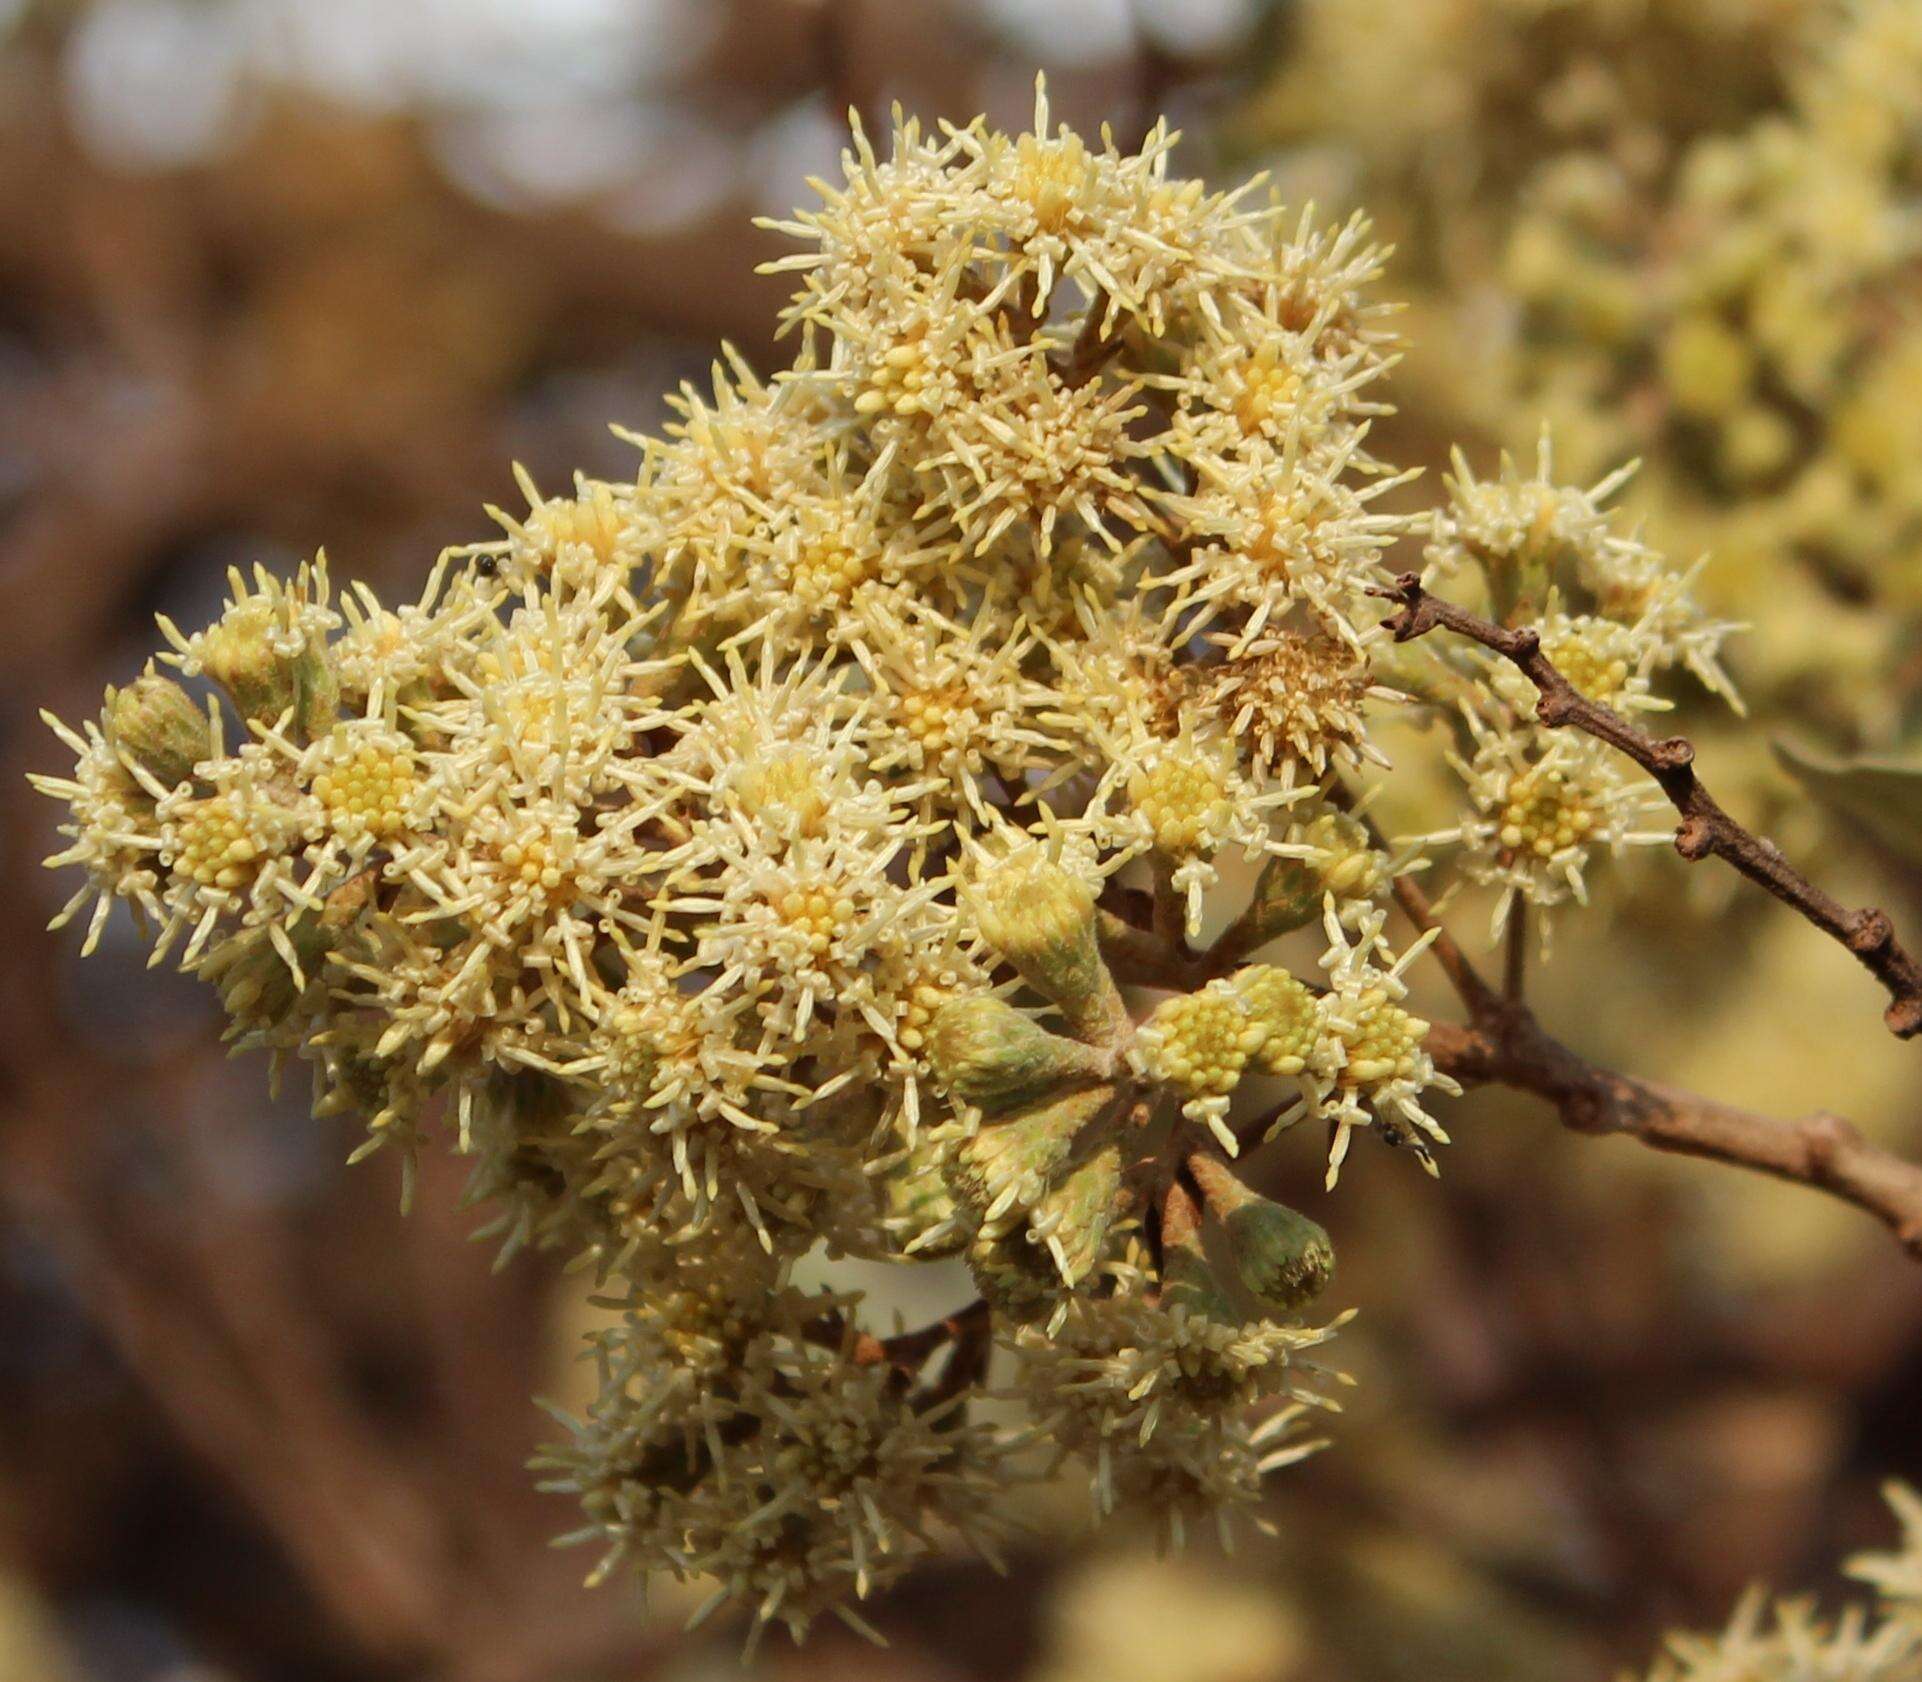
(1183, 798)
(214, 845)
(369, 790)
(1544, 814)
(1201, 1042)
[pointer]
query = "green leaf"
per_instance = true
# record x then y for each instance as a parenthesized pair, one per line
(1883, 795)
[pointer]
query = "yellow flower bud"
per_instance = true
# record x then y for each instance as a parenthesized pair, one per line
(1199, 1043)
(1288, 1013)
(245, 656)
(1042, 920)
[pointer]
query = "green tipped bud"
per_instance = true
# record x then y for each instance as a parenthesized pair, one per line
(997, 1059)
(1011, 1164)
(155, 724)
(1073, 1221)
(1282, 1257)
(247, 655)
(1042, 920)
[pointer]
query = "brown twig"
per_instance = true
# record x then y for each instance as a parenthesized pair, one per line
(1093, 345)
(1482, 1000)
(1503, 1044)
(1515, 954)
(908, 1351)
(1705, 828)
(969, 1348)
(1141, 947)
(1821, 1151)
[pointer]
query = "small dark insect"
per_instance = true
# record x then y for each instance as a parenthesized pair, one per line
(487, 565)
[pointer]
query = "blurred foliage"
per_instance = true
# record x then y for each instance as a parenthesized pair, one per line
(1883, 795)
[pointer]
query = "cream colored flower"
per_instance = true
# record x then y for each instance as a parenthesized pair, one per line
(768, 857)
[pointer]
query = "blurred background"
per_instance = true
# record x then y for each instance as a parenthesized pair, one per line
(276, 274)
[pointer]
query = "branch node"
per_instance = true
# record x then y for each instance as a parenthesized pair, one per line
(1694, 839)
(1869, 931)
(1904, 1018)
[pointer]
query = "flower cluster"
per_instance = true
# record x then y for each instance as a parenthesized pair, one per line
(808, 846)
(1792, 1642)
(1713, 266)
(759, 1447)
(1771, 279)
(1612, 616)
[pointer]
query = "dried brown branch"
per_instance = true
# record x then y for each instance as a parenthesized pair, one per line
(1515, 953)
(1093, 346)
(1483, 1002)
(1821, 1151)
(1142, 957)
(1503, 1044)
(906, 1351)
(1706, 829)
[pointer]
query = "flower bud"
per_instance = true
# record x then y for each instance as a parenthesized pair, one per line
(154, 723)
(248, 655)
(995, 1058)
(1018, 1278)
(1011, 1164)
(1075, 1218)
(256, 985)
(1183, 799)
(1380, 1041)
(1200, 1042)
(1042, 920)
(917, 1207)
(1280, 1256)
(260, 979)
(1346, 858)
